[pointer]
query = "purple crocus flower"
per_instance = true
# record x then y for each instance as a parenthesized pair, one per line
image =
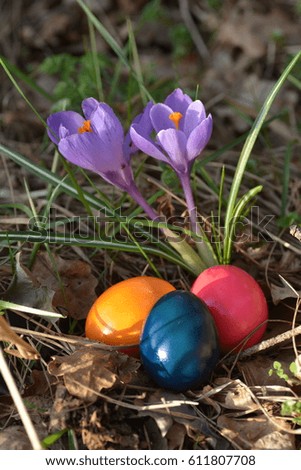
(96, 142)
(182, 130)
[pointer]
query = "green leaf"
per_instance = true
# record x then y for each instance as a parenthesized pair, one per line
(237, 213)
(246, 152)
(293, 368)
(53, 438)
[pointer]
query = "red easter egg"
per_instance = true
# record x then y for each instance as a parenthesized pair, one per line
(236, 302)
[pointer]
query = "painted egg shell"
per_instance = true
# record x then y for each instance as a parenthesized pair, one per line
(179, 346)
(236, 302)
(117, 316)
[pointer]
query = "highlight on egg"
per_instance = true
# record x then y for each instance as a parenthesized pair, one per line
(237, 304)
(117, 316)
(179, 346)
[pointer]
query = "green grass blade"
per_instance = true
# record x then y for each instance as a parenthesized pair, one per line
(17, 206)
(142, 251)
(77, 187)
(238, 210)
(16, 72)
(98, 80)
(246, 152)
(20, 91)
(43, 236)
(136, 63)
(54, 180)
(113, 44)
(295, 81)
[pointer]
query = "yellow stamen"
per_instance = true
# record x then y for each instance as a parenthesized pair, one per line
(86, 127)
(176, 118)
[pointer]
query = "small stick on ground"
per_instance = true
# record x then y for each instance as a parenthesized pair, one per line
(25, 418)
(266, 344)
(192, 28)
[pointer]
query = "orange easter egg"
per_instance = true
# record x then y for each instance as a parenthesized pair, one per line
(117, 316)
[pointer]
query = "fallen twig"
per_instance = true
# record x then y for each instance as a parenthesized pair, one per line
(15, 394)
(266, 344)
(194, 32)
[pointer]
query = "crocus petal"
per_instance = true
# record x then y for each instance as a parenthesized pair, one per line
(199, 138)
(144, 121)
(88, 106)
(106, 124)
(178, 101)
(63, 132)
(81, 149)
(159, 115)
(174, 144)
(195, 114)
(128, 146)
(70, 120)
(123, 178)
(146, 145)
(90, 151)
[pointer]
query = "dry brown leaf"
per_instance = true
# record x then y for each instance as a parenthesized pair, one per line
(24, 350)
(163, 419)
(88, 371)
(256, 433)
(279, 293)
(96, 436)
(154, 436)
(26, 290)
(239, 398)
(41, 382)
(176, 436)
(183, 414)
(71, 280)
(63, 405)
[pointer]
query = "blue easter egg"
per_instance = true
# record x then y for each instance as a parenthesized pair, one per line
(179, 345)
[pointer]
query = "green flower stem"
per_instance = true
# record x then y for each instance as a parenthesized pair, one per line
(188, 254)
(137, 196)
(203, 245)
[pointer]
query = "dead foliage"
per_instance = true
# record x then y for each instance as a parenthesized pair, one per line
(71, 280)
(23, 349)
(87, 372)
